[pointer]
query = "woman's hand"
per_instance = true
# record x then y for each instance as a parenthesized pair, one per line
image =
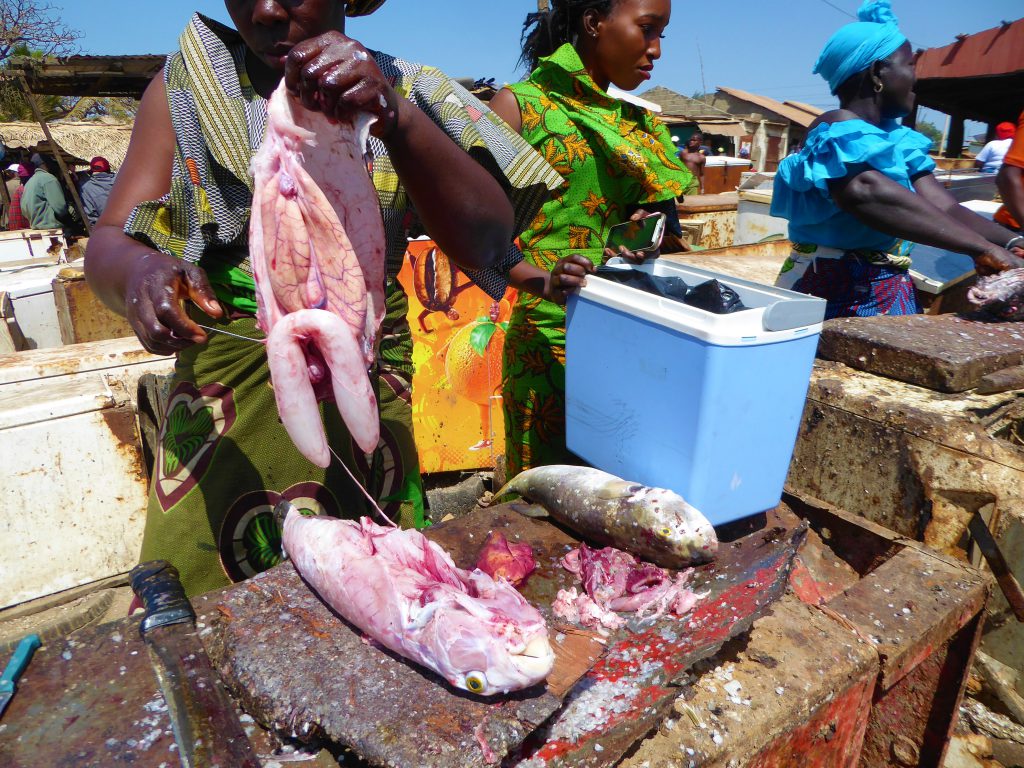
(997, 259)
(337, 76)
(635, 257)
(569, 274)
(154, 292)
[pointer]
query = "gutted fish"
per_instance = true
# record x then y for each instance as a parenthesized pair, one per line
(317, 245)
(653, 523)
(615, 582)
(405, 592)
(1000, 295)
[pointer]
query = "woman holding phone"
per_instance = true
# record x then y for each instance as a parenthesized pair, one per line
(618, 162)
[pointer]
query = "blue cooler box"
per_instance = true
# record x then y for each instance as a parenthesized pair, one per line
(676, 397)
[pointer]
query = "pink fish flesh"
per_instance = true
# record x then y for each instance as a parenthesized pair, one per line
(317, 244)
(499, 559)
(304, 349)
(615, 581)
(1000, 295)
(405, 592)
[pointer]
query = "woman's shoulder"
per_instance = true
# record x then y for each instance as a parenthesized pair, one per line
(839, 120)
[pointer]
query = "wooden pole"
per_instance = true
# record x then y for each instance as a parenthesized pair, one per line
(955, 143)
(56, 153)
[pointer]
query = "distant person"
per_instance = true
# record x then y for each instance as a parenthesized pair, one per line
(990, 159)
(10, 179)
(1011, 183)
(96, 188)
(744, 152)
(43, 202)
(695, 160)
(15, 218)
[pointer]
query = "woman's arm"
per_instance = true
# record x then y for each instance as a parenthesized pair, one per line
(929, 187)
(569, 274)
(144, 285)
(882, 204)
(460, 204)
(505, 105)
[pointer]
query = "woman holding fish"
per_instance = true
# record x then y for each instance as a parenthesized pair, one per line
(177, 229)
(616, 158)
(861, 191)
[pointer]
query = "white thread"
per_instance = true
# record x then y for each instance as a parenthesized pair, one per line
(366, 493)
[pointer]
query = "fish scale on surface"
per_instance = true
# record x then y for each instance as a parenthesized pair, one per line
(317, 246)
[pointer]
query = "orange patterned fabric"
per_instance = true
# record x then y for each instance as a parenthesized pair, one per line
(1014, 157)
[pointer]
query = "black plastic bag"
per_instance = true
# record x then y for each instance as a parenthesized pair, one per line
(713, 296)
(666, 287)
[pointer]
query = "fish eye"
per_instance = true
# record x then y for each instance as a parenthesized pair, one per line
(476, 682)
(666, 531)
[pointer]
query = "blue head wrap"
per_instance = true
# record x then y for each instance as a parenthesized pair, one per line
(857, 46)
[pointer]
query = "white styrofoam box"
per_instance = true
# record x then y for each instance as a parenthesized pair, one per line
(74, 485)
(669, 395)
(754, 220)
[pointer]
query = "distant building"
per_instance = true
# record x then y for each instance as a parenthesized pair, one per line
(771, 128)
(684, 116)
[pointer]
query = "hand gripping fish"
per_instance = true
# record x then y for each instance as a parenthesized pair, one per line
(1001, 295)
(318, 255)
(653, 523)
(404, 591)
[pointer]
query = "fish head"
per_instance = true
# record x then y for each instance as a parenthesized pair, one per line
(493, 642)
(674, 525)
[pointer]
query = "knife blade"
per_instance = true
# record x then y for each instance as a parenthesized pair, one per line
(997, 563)
(15, 667)
(206, 726)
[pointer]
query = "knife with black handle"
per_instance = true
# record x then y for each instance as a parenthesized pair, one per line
(206, 725)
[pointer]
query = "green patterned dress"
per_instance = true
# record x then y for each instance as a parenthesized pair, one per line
(224, 459)
(614, 157)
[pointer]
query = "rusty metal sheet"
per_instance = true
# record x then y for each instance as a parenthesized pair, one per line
(637, 681)
(93, 701)
(948, 353)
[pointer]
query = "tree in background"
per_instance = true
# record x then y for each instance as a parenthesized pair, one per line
(33, 28)
(36, 25)
(932, 132)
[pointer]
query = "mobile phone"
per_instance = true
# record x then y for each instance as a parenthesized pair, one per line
(642, 236)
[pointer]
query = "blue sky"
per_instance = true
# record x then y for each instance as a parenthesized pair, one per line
(764, 47)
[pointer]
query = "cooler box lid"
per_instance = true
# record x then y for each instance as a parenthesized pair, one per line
(772, 315)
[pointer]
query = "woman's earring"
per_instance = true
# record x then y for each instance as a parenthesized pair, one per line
(879, 86)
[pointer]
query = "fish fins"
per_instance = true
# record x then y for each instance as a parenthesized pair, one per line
(529, 510)
(618, 489)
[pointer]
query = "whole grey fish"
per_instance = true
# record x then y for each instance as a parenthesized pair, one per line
(653, 523)
(1001, 295)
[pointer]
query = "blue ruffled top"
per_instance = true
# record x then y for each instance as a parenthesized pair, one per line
(801, 193)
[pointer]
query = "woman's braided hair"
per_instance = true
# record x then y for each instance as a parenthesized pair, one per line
(546, 31)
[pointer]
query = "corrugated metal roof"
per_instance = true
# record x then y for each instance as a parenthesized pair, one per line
(996, 51)
(979, 77)
(794, 114)
(676, 104)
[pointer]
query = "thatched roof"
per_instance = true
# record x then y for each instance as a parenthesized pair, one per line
(79, 141)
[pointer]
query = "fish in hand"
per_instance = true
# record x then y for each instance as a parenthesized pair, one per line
(317, 245)
(655, 524)
(405, 592)
(1000, 295)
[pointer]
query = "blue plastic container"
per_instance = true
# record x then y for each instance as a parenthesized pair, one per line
(676, 397)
